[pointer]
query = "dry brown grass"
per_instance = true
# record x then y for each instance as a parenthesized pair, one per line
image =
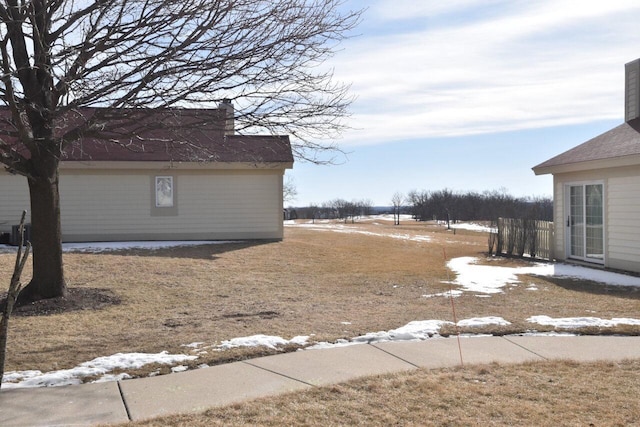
(533, 394)
(309, 284)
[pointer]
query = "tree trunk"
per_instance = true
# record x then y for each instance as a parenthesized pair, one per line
(46, 233)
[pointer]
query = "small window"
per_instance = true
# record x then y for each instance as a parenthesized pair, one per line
(164, 191)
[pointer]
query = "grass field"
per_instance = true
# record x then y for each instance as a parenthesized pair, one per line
(328, 284)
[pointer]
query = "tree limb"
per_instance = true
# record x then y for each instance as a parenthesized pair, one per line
(12, 295)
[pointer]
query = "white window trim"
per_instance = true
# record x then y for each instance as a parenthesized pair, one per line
(169, 195)
(160, 209)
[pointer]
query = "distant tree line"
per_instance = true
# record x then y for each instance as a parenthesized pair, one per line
(335, 209)
(441, 205)
(447, 205)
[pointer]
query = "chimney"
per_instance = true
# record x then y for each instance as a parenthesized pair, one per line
(632, 90)
(227, 106)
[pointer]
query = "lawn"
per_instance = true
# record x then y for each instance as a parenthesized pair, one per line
(532, 394)
(330, 282)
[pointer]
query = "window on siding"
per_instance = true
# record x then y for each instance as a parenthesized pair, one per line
(164, 192)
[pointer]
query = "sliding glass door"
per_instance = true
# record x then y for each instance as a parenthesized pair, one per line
(585, 222)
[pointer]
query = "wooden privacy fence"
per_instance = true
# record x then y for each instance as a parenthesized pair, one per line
(519, 236)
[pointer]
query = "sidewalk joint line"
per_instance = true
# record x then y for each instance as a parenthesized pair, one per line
(394, 355)
(523, 347)
(278, 373)
(124, 401)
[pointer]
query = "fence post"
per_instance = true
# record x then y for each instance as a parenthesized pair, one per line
(500, 242)
(517, 236)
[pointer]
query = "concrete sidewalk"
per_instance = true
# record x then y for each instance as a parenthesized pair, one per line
(221, 385)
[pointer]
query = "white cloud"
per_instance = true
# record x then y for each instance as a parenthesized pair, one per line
(411, 9)
(451, 72)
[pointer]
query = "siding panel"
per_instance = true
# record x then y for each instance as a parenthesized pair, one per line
(623, 214)
(14, 198)
(210, 205)
(118, 204)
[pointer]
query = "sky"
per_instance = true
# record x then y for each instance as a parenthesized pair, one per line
(469, 95)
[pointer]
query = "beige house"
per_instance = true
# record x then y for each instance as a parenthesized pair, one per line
(209, 184)
(597, 191)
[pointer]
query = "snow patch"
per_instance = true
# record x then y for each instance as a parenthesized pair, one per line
(475, 322)
(581, 322)
(474, 227)
(347, 229)
(455, 293)
(490, 279)
(268, 341)
(100, 366)
(413, 331)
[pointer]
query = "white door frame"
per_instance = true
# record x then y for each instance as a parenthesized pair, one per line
(585, 231)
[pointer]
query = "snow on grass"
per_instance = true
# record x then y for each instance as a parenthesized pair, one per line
(413, 331)
(416, 330)
(490, 279)
(347, 229)
(98, 247)
(581, 322)
(454, 293)
(473, 227)
(386, 217)
(193, 344)
(102, 366)
(475, 322)
(268, 341)
(486, 279)
(585, 273)
(98, 367)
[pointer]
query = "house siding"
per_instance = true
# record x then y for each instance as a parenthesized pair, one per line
(623, 213)
(558, 218)
(14, 198)
(113, 205)
(622, 210)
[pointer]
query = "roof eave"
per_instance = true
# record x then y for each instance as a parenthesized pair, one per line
(155, 165)
(614, 162)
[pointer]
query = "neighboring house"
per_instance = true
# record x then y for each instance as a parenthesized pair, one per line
(597, 191)
(202, 182)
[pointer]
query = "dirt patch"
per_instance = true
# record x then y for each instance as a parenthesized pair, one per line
(76, 299)
(261, 315)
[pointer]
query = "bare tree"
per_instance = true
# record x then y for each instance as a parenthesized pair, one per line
(313, 211)
(60, 57)
(397, 200)
(365, 206)
(419, 201)
(289, 191)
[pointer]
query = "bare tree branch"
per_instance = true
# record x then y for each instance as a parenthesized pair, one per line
(15, 287)
(267, 56)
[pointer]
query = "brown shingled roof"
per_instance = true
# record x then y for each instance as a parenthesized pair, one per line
(193, 147)
(178, 135)
(621, 141)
